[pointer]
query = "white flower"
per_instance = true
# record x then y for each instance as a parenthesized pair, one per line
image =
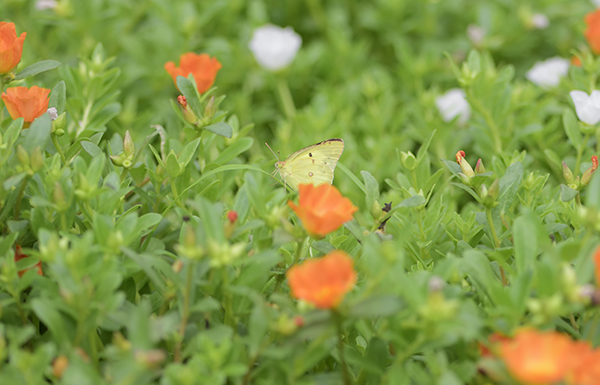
(540, 21)
(587, 107)
(596, 3)
(452, 104)
(476, 34)
(548, 73)
(274, 47)
(45, 4)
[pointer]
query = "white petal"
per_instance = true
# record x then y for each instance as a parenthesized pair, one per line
(274, 47)
(452, 104)
(585, 107)
(548, 73)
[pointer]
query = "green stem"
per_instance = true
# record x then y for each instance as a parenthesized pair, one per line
(338, 323)
(20, 197)
(286, 98)
(185, 311)
(580, 153)
(414, 178)
(299, 252)
(488, 215)
(176, 195)
(58, 148)
(487, 116)
(227, 300)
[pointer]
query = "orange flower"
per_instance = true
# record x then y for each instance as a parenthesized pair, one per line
(323, 281)
(537, 358)
(592, 32)
(20, 255)
(575, 61)
(202, 66)
(322, 209)
(11, 47)
(26, 103)
(489, 349)
(585, 365)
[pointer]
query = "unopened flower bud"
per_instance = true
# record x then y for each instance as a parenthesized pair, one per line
(58, 196)
(117, 160)
(435, 283)
(37, 159)
(59, 124)
(151, 359)
(128, 145)
(232, 216)
(587, 175)
(186, 110)
(408, 160)
(210, 109)
(567, 173)
(479, 168)
(22, 156)
(177, 266)
(494, 190)
(60, 364)
(299, 321)
(465, 167)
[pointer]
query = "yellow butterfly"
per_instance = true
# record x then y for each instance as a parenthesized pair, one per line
(311, 165)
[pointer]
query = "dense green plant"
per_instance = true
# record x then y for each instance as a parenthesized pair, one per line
(148, 276)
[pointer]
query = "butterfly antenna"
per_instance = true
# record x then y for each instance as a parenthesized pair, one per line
(267, 144)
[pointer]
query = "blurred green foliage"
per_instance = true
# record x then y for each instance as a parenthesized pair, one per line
(146, 280)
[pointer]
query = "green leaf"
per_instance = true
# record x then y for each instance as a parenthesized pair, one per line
(173, 167)
(354, 178)
(147, 221)
(191, 95)
(36, 68)
(567, 193)
(423, 149)
(189, 151)
(592, 192)
(525, 239)
(94, 171)
(221, 129)
(414, 201)
(46, 311)
(238, 147)
(58, 97)
(372, 188)
(572, 128)
(12, 132)
(452, 166)
(377, 306)
(91, 148)
(38, 134)
(509, 183)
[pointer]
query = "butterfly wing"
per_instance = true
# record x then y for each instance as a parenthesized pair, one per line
(312, 165)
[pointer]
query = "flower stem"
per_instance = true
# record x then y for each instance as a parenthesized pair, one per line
(58, 148)
(338, 323)
(227, 300)
(20, 197)
(580, 153)
(488, 215)
(186, 311)
(286, 98)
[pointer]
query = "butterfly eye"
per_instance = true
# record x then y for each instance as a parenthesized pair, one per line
(277, 164)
